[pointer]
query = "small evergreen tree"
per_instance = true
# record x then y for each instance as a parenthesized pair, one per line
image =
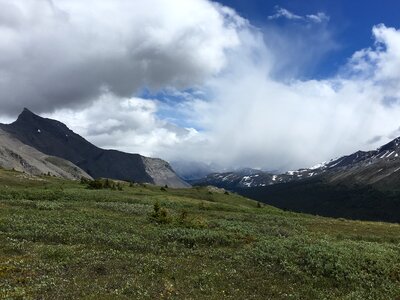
(107, 184)
(160, 215)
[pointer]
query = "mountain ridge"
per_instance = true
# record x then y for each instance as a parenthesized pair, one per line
(54, 138)
(387, 157)
(364, 185)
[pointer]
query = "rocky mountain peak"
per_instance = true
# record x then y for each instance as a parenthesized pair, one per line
(26, 115)
(54, 138)
(392, 145)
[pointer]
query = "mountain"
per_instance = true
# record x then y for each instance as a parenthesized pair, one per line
(56, 139)
(363, 185)
(233, 180)
(378, 167)
(20, 157)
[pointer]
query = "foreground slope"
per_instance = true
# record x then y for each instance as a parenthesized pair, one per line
(54, 138)
(320, 197)
(60, 240)
(18, 156)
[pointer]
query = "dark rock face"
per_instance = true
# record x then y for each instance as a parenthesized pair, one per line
(18, 156)
(54, 138)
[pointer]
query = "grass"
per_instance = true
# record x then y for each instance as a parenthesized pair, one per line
(60, 240)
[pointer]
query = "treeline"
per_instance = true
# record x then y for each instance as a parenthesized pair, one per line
(99, 184)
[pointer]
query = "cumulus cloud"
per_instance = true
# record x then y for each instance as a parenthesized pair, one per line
(129, 124)
(215, 96)
(381, 62)
(68, 52)
(248, 118)
(262, 122)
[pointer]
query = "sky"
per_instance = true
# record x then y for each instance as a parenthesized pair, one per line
(276, 85)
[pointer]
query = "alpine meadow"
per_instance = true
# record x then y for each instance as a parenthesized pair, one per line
(199, 149)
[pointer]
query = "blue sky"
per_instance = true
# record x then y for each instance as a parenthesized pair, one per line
(350, 23)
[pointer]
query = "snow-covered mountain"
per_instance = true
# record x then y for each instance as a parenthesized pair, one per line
(362, 167)
(237, 179)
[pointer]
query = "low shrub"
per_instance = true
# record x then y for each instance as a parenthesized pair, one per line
(160, 214)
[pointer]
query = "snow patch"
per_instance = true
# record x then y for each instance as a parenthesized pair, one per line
(318, 166)
(384, 154)
(334, 165)
(390, 154)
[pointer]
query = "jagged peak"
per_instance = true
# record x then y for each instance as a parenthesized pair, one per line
(26, 113)
(392, 145)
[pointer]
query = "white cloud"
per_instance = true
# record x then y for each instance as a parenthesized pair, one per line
(284, 13)
(318, 17)
(281, 12)
(68, 52)
(97, 54)
(382, 62)
(129, 125)
(259, 121)
(252, 119)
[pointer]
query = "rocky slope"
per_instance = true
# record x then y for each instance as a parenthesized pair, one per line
(56, 139)
(237, 179)
(20, 157)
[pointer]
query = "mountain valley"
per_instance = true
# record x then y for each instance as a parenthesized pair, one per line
(362, 185)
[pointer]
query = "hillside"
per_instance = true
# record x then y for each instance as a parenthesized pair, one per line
(363, 185)
(319, 197)
(55, 138)
(61, 240)
(18, 156)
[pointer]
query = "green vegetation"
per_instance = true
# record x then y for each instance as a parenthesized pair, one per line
(62, 240)
(319, 197)
(99, 184)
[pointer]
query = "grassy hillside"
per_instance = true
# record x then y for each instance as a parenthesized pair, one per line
(319, 197)
(60, 240)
